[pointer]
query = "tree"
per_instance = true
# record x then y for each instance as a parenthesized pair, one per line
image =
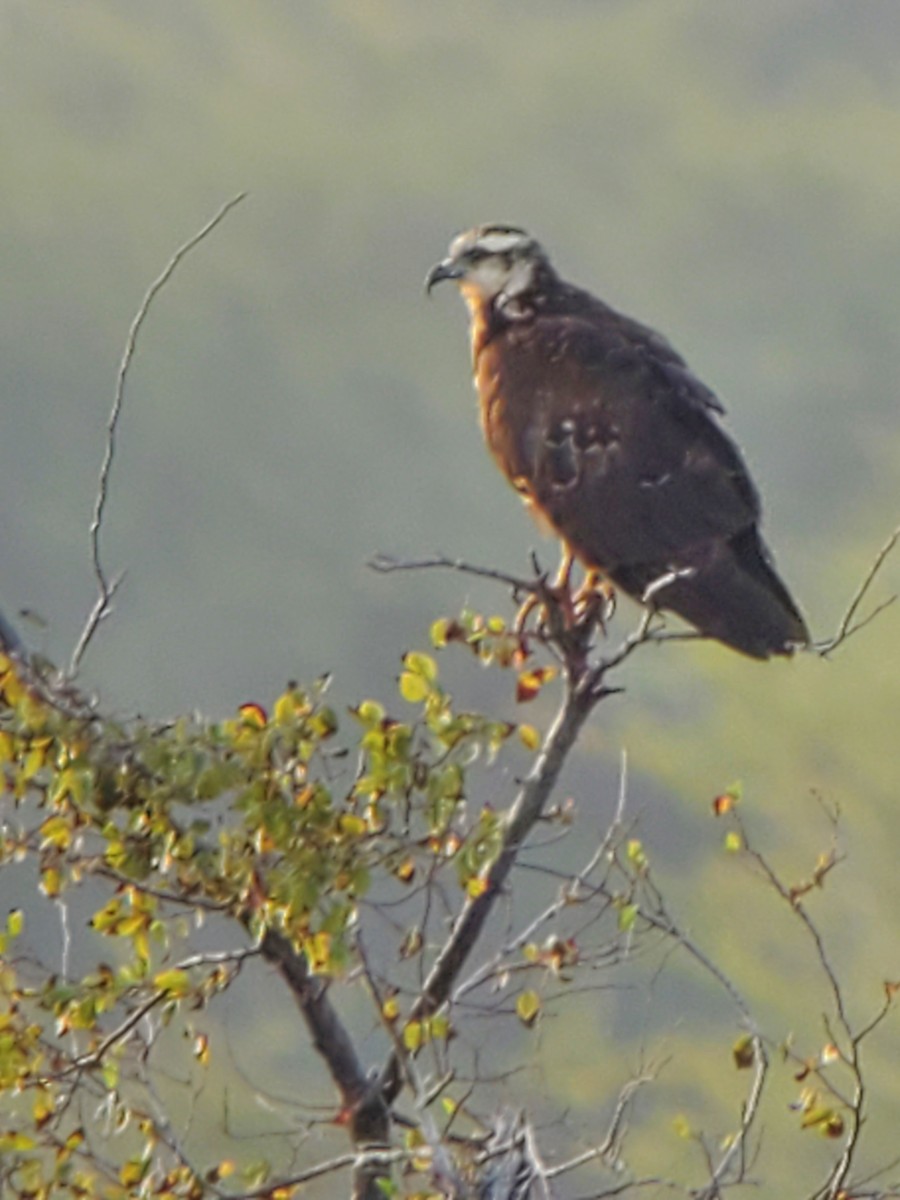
(372, 863)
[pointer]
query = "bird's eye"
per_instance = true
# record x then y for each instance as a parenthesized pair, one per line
(477, 254)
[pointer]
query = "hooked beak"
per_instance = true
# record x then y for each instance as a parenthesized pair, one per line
(447, 269)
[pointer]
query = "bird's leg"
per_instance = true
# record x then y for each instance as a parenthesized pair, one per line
(596, 597)
(556, 592)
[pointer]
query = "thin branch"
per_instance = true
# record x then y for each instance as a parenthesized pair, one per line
(384, 564)
(377, 1159)
(94, 1058)
(662, 919)
(607, 1148)
(846, 627)
(579, 700)
(107, 587)
(566, 896)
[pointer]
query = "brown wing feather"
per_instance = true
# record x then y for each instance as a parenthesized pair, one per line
(620, 448)
(627, 461)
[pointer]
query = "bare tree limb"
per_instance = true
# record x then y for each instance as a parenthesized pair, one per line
(384, 564)
(362, 1101)
(580, 696)
(107, 587)
(846, 628)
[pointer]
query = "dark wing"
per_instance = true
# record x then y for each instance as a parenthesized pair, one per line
(623, 450)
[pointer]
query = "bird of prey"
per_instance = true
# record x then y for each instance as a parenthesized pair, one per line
(609, 437)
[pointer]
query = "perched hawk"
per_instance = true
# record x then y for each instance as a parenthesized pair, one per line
(606, 433)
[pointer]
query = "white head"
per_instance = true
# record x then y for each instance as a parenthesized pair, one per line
(493, 264)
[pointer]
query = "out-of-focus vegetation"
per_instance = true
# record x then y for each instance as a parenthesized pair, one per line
(725, 171)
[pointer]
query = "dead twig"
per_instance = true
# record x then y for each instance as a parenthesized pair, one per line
(846, 628)
(384, 564)
(106, 586)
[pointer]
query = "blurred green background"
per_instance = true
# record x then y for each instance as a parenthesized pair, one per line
(728, 172)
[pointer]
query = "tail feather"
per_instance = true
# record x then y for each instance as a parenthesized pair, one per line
(729, 591)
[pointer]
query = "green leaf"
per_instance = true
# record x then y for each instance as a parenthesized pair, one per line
(627, 917)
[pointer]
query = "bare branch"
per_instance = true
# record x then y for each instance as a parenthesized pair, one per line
(384, 564)
(362, 1100)
(846, 627)
(107, 587)
(607, 1149)
(579, 700)
(568, 893)
(734, 1150)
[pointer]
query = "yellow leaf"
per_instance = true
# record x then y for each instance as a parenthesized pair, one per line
(15, 923)
(743, 1052)
(528, 685)
(174, 982)
(318, 948)
(36, 756)
(285, 710)
(352, 825)
(391, 1009)
(133, 1171)
(627, 917)
(51, 882)
(413, 688)
(833, 1127)
(413, 1036)
(56, 831)
(253, 714)
(682, 1127)
(528, 1007)
(11, 1141)
(406, 870)
(370, 712)
(733, 842)
(636, 853)
(42, 1109)
(475, 887)
(132, 924)
(421, 664)
(13, 688)
(529, 736)
(70, 782)
(439, 632)
(440, 1026)
(142, 947)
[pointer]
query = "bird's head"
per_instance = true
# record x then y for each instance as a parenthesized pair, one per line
(493, 264)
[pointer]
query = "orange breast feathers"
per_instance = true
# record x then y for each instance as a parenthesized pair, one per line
(505, 424)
